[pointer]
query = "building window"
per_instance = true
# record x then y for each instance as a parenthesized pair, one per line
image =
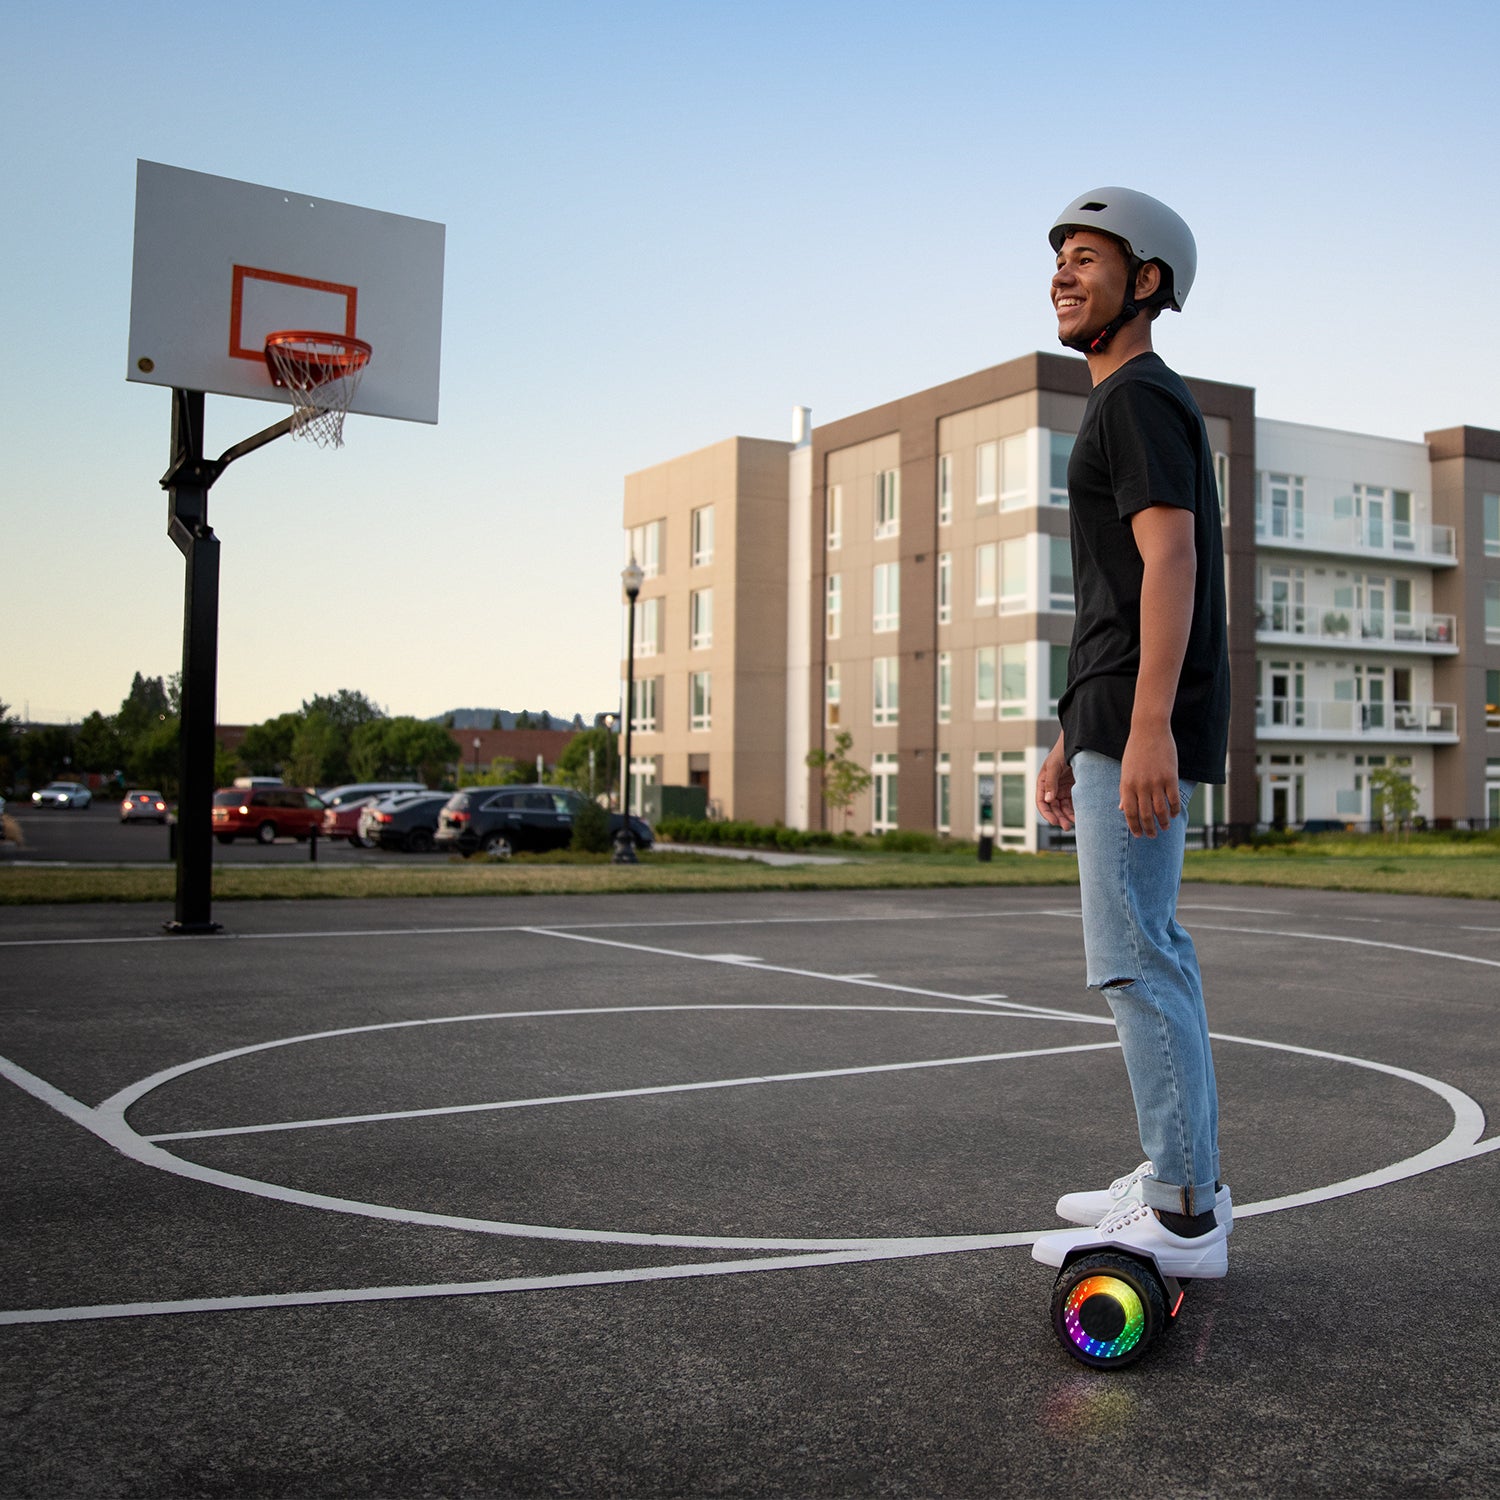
(986, 473)
(1492, 700)
(1492, 611)
(1057, 675)
(986, 575)
(944, 794)
(703, 536)
(835, 505)
(1012, 807)
(642, 775)
(1060, 574)
(887, 689)
(648, 619)
(833, 692)
(945, 489)
(944, 687)
(887, 815)
(1281, 515)
(1015, 480)
(1014, 594)
(1013, 682)
(834, 609)
(887, 614)
(887, 503)
(1060, 450)
(1492, 525)
(645, 546)
(945, 588)
(643, 705)
(700, 700)
(985, 663)
(701, 602)
(984, 791)
(1221, 477)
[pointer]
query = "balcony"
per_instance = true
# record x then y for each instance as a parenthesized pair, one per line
(1278, 622)
(1315, 719)
(1358, 536)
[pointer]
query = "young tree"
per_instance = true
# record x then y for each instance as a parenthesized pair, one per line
(843, 779)
(1393, 798)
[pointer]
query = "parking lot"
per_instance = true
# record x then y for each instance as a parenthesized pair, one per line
(726, 1195)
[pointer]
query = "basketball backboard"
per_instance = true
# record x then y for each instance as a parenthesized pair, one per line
(220, 264)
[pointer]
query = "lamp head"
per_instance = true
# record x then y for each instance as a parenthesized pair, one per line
(633, 576)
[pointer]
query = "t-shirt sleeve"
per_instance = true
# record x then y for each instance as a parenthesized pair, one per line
(1151, 448)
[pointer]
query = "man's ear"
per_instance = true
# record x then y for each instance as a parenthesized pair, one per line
(1147, 281)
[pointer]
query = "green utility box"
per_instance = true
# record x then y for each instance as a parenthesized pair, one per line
(658, 802)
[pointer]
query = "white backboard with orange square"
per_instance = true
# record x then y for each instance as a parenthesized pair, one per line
(220, 264)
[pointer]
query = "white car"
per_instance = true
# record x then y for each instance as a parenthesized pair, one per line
(143, 807)
(62, 794)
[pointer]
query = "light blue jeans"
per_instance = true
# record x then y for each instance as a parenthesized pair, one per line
(1144, 962)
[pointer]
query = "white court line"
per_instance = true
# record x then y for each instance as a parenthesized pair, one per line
(640, 1093)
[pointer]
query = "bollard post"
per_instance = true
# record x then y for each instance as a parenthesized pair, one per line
(312, 845)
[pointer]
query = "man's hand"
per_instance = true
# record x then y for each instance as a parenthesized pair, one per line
(1054, 789)
(1149, 794)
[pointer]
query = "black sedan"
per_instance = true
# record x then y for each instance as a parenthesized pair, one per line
(506, 820)
(406, 821)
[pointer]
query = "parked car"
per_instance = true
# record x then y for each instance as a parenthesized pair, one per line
(62, 794)
(406, 821)
(143, 807)
(506, 820)
(345, 803)
(265, 812)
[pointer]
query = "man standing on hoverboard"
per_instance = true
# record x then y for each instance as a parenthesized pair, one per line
(1145, 716)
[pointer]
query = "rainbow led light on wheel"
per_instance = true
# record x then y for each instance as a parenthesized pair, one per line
(1108, 1309)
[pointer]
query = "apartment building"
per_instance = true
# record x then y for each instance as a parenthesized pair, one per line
(927, 588)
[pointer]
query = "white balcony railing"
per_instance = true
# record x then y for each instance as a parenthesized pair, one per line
(1297, 718)
(1379, 629)
(1359, 535)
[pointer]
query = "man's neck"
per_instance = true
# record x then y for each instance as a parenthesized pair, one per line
(1133, 339)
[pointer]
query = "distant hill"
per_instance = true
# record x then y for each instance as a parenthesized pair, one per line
(504, 718)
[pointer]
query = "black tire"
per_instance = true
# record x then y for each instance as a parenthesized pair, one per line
(418, 841)
(355, 842)
(266, 833)
(497, 844)
(225, 838)
(1108, 1309)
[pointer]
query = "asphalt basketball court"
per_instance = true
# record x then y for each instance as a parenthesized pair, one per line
(726, 1195)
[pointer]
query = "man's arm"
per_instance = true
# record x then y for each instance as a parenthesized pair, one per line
(1054, 788)
(1149, 795)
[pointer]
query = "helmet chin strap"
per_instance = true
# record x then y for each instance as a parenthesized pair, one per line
(1099, 342)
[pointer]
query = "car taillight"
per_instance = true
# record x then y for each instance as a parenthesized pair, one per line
(383, 818)
(458, 817)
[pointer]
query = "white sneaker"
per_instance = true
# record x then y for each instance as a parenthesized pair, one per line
(1089, 1208)
(1134, 1227)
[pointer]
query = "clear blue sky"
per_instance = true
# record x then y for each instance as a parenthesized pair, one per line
(669, 223)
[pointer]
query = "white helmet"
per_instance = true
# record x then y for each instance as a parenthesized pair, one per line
(1149, 229)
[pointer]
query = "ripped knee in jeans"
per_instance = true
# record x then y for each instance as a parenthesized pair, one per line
(1115, 984)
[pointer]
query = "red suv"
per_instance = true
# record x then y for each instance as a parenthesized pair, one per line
(265, 812)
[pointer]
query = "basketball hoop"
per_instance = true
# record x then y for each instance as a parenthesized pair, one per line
(320, 373)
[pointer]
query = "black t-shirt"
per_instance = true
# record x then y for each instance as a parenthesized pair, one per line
(1142, 443)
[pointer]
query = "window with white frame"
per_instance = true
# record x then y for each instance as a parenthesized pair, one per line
(1013, 682)
(835, 508)
(703, 536)
(1059, 573)
(643, 705)
(986, 473)
(1492, 611)
(887, 612)
(944, 687)
(1492, 791)
(1015, 478)
(1280, 515)
(1221, 477)
(986, 575)
(700, 700)
(945, 588)
(833, 609)
(986, 661)
(1014, 594)
(945, 489)
(1057, 675)
(887, 503)
(883, 771)
(1492, 699)
(984, 790)
(642, 775)
(648, 626)
(1492, 525)
(1059, 451)
(701, 612)
(887, 676)
(645, 546)
(833, 693)
(1011, 798)
(944, 794)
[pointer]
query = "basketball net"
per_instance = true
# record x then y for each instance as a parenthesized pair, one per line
(320, 373)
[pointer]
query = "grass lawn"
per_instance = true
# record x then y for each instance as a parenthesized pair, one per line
(1423, 865)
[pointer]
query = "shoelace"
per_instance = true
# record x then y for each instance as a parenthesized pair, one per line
(1122, 1185)
(1124, 1216)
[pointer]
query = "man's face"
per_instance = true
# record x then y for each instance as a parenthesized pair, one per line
(1088, 285)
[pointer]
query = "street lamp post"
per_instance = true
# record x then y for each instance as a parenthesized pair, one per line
(631, 578)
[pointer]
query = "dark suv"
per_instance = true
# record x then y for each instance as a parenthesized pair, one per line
(263, 812)
(507, 820)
